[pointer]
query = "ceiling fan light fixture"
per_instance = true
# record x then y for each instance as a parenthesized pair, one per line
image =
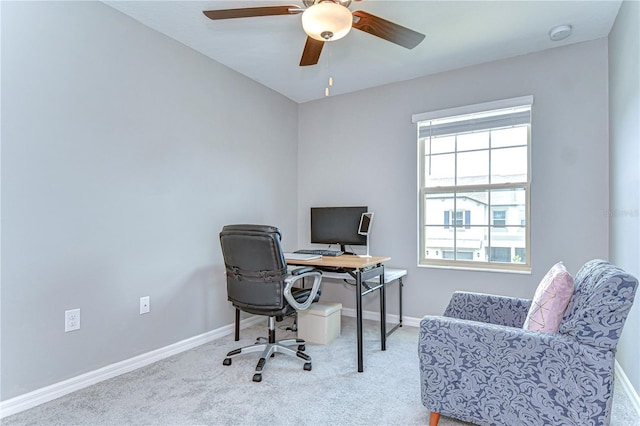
(327, 21)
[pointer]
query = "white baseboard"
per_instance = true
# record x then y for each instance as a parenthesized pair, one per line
(627, 387)
(51, 392)
(375, 316)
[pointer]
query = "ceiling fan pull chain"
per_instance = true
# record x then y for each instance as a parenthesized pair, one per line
(326, 89)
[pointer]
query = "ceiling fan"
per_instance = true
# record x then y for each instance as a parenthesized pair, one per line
(328, 20)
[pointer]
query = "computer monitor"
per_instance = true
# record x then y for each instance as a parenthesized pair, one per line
(337, 225)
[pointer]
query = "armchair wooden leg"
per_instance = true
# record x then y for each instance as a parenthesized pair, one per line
(434, 418)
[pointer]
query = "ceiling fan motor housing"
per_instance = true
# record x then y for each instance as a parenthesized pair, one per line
(327, 20)
(309, 3)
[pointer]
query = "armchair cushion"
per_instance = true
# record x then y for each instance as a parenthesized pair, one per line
(491, 374)
(550, 300)
(488, 308)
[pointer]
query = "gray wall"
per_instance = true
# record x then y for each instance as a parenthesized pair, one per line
(624, 121)
(360, 148)
(123, 154)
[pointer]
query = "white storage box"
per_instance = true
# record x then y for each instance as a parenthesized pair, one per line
(320, 323)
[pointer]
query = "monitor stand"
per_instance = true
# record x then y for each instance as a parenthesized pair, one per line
(366, 255)
(343, 248)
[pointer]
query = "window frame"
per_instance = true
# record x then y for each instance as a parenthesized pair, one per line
(423, 190)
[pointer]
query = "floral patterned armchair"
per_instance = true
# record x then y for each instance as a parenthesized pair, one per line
(477, 364)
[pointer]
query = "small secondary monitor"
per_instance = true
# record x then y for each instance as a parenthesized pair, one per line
(365, 223)
(337, 225)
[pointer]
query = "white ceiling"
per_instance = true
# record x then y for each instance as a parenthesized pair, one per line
(458, 34)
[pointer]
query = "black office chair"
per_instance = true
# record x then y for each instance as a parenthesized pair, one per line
(258, 283)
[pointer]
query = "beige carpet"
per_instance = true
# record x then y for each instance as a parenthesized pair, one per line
(194, 388)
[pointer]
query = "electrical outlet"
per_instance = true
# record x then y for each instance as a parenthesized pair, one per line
(145, 306)
(71, 320)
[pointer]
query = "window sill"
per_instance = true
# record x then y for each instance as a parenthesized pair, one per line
(524, 270)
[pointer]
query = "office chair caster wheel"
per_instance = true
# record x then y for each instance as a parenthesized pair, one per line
(302, 348)
(227, 361)
(307, 366)
(257, 377)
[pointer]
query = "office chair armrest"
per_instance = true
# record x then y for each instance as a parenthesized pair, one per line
(303, 270)
(291, 280)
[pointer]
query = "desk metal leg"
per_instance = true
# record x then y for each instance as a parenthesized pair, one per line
(399, 324)
(383, 313)
(400, 297)
(359, 277)
(237, 324)
(359, 319)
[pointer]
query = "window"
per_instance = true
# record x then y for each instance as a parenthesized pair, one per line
(473, 182)
(499, 218)
(501, 254)
(457, 218)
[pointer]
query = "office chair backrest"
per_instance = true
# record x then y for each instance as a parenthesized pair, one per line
(255, 268)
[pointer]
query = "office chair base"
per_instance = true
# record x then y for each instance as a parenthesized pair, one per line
(269, 350)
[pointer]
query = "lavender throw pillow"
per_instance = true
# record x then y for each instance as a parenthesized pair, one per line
(550, 301)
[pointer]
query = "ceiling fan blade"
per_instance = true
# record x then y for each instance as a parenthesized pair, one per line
(311, 52)
(252, 11)
(387, 30)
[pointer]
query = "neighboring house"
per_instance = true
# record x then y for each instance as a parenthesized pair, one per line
(469, 224)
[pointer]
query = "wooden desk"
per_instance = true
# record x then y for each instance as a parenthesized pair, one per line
(361, 269)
